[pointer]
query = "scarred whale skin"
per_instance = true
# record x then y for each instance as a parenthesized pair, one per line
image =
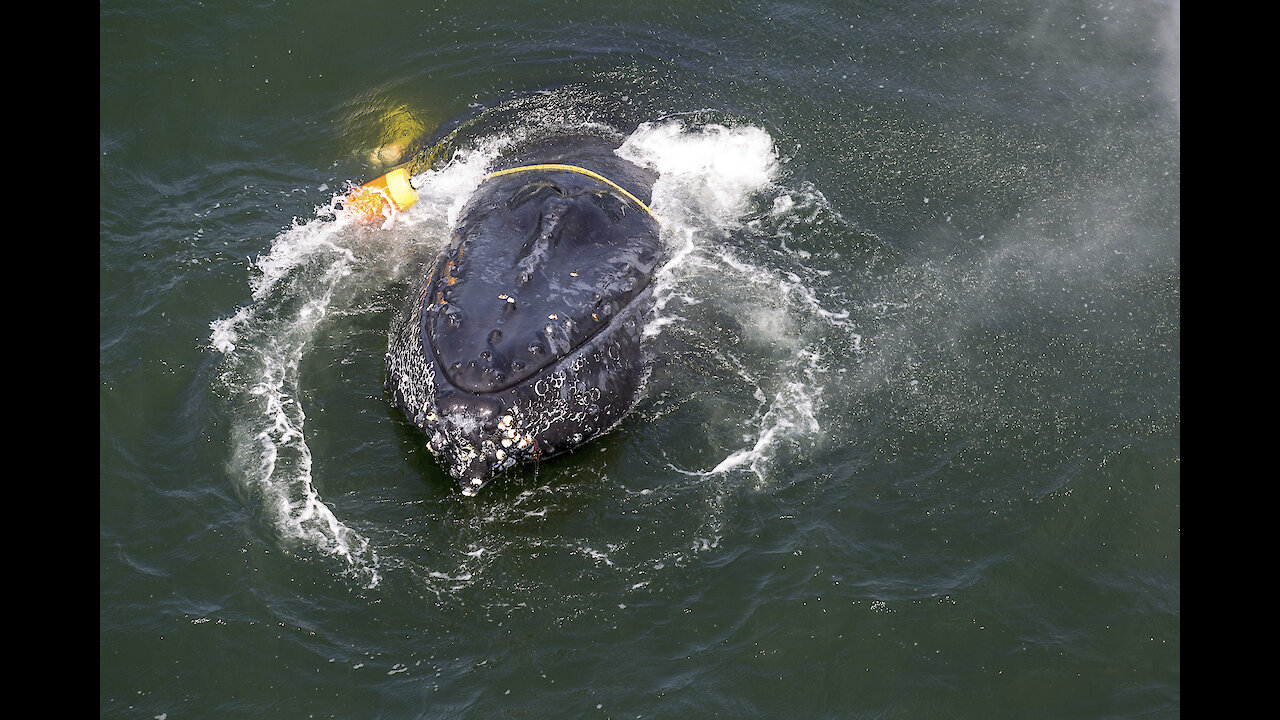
(523, 339)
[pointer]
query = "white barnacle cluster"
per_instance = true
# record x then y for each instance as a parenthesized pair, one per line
(510, 436)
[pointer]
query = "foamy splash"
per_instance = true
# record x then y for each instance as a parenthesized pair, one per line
(263, 344)
(310, 273)
(719, 182)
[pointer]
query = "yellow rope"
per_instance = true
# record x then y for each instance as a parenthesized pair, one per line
(580, 170)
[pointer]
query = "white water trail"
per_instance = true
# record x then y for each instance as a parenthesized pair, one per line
(313, 270)
(263, 344)
(791, 413)
(713, 177)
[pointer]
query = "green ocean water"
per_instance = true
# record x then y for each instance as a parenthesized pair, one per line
(911, 445)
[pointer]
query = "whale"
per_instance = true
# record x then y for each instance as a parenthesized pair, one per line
(522, 339)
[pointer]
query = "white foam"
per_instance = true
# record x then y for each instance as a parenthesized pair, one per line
(792, 414)
(713, 180)
(709, 171)
(707, 176)
(263, 344)
(310, 271)
(443, 193)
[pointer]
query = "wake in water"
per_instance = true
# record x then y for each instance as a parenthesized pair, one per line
(263, 345)
(732, 301)
(735, 291)
(313, 271)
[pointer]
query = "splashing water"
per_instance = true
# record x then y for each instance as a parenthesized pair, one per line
(310, 273)
(715, 182)
(263, 344)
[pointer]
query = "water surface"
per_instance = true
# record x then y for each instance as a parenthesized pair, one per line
(911, 446)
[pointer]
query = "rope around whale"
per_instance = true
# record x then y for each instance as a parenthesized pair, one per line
(580, 170)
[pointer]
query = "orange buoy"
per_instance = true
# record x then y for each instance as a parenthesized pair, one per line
(376, 199)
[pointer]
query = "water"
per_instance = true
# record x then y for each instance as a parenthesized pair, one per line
(911, 446)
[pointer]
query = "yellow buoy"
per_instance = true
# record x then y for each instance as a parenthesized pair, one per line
(376, 199)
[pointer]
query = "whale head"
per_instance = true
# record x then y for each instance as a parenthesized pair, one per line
(522, 341)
